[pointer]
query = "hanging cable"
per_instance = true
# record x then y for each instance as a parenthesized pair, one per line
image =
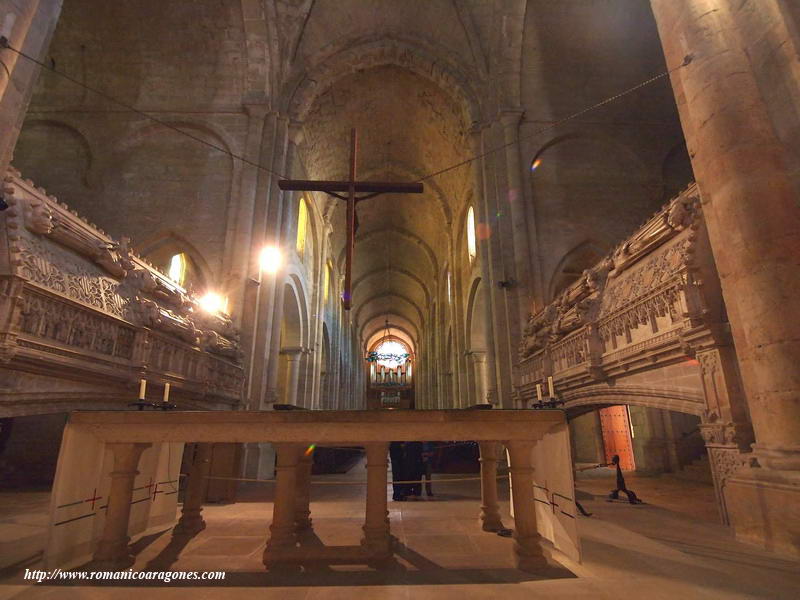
(4, 44)
(686, 61)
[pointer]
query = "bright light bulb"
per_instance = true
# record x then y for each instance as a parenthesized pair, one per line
(270, 259)
(213, 303)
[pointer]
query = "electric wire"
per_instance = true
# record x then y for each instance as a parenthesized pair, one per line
(4, 44)
(686, 61)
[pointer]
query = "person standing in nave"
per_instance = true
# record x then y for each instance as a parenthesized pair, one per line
(427, 465)
(397, 456)
(414, 468)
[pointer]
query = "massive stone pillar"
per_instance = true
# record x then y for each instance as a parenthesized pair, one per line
(751, 207)
(28, 26)
(112, 549)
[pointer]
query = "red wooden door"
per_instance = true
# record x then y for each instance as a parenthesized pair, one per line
(615, 425)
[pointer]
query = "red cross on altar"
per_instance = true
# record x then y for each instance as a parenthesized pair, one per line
(351, 186)
(94, 498)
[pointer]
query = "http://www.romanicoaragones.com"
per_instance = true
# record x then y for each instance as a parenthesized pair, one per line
(41, 576)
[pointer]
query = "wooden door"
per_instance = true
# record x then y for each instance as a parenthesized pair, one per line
(616, 428)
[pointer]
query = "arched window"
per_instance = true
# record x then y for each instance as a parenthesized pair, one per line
(177, 268)
(326, 283)
(391, 354)
(471, 248)
(302, 226)
(449, 288)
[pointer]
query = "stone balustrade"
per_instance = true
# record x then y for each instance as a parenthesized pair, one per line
(82, 318)
(292, 433)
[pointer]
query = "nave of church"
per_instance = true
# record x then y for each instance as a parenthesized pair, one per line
(245, 240)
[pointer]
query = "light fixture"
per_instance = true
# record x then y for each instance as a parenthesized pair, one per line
(270, 259)
(213, 303)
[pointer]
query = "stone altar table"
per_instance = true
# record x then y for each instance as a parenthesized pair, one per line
(292, 432)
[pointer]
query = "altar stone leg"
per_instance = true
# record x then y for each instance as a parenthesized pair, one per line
(282, 528)
(191, 521)
(490, 510)
(376, 525)
(527, 541)
(112, 551)
(302, 498)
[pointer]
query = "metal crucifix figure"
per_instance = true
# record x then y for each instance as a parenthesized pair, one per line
(369, 188)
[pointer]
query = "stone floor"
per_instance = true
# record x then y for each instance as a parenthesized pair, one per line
(670, 547)
(23, 524)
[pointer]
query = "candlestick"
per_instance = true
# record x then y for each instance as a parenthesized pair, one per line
(551, 389)
(166, 392)
(538, 392)
(142, 388)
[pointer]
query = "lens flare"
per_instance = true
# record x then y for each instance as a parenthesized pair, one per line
(310, 449)
(213, 303)
(535, 164)
(483, 231)
(270, 259)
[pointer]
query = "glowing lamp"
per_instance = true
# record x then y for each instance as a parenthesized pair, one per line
(213, 303)
(270, 259)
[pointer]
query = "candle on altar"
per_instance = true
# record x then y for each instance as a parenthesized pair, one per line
(166, 392)
(538, 392)
(142, 388)
(550, 387)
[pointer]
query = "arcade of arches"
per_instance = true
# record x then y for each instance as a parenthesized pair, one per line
(640, 258)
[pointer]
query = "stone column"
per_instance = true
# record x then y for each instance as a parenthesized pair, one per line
(377, 540)
(293, 356)
(28, 26)
(281, 224)
(112, 550)
(527, 541)
(191, 521)
(523, 260)
(478, 359)
(282, 530)
(302, 498)
(476, 147)
(241, 254)
(490, 509)
(750, 203)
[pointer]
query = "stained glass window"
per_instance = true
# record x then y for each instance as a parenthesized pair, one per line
(471, 248)
(302, 227)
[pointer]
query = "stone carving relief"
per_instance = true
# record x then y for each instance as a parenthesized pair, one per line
(50, 319)
(676, 216)
(81, 289)
(641, 280)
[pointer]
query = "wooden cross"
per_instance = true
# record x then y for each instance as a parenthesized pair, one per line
(369, 188)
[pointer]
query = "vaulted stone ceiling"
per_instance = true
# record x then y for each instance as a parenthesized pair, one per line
(405, 83)
(408, 127)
